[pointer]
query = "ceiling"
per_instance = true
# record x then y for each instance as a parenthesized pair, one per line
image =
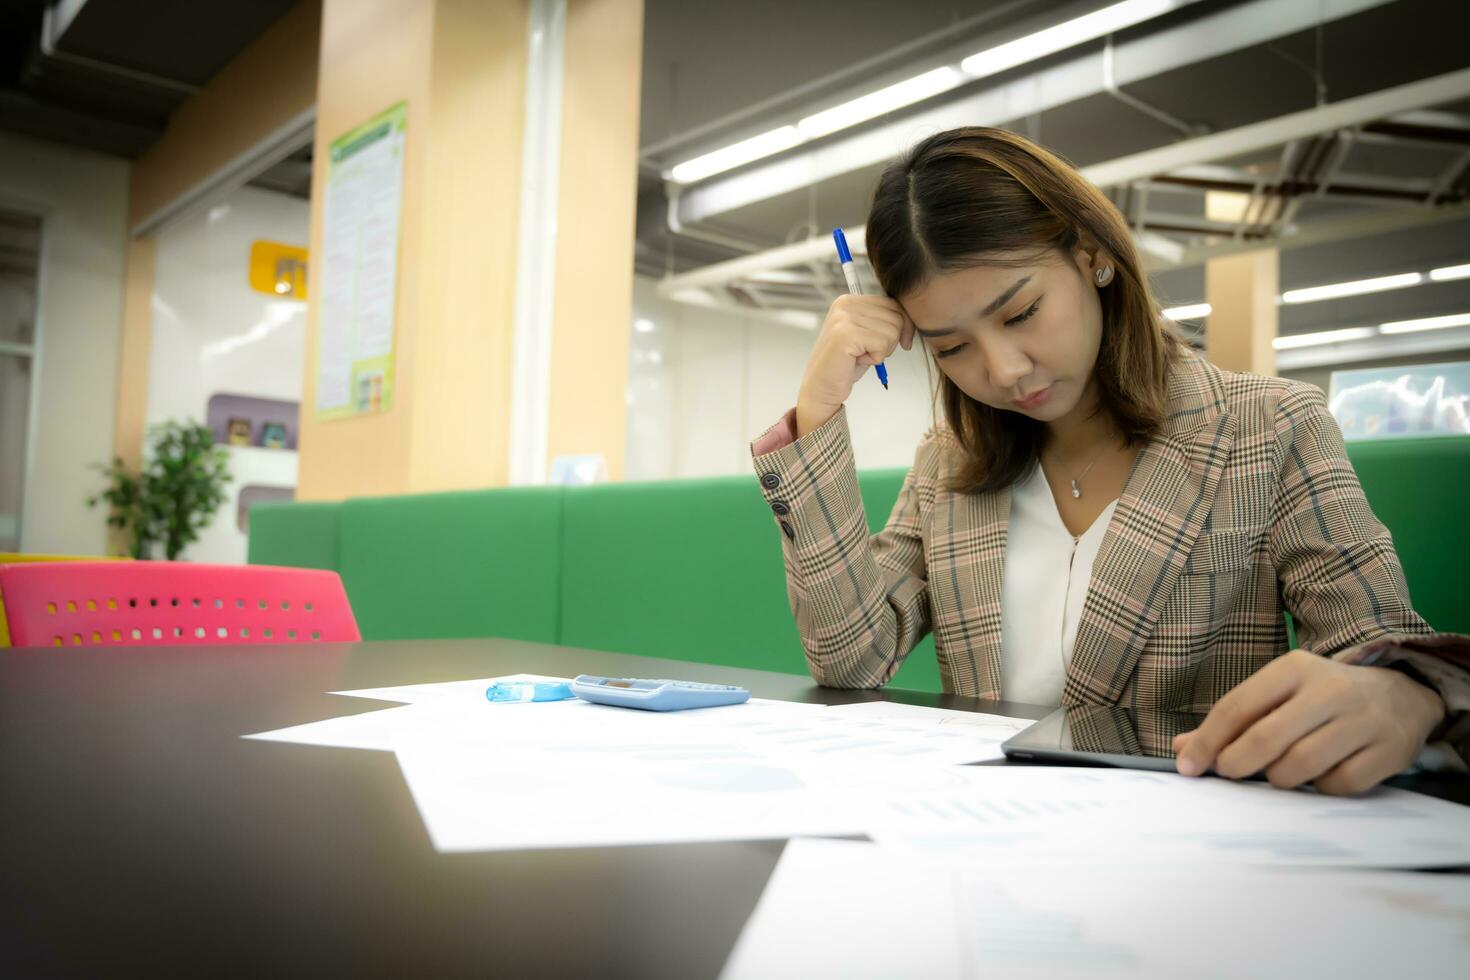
(717, 72)
(1399, 181)
(119, 68)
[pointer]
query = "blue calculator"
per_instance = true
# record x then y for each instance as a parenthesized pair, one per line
(655, 695)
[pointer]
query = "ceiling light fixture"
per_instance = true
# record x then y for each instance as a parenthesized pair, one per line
(874, 104)
(1046, 42)
(1195, 311)
(1336, 290)
(1426, 323)
(729, 157)
(1079, 30)
(1293, 341)
(1450, 272)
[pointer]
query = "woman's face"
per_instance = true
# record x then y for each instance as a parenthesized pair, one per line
(1019, 338)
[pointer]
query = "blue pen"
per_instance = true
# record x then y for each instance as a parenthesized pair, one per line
(849, 272)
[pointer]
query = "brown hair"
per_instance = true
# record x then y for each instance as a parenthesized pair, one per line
(961, 196)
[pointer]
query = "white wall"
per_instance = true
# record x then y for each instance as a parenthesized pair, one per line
(702, 384)
(82, 199)
(213, 334)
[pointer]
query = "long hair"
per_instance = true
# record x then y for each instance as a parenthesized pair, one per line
(959, 198)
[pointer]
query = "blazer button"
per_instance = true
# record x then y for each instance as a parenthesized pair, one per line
(779, 508)
(770, 481)
(790, 532)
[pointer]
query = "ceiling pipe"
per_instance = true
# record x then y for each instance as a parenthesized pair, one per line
(50, 34)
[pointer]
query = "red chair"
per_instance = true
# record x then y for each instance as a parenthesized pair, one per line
(156, 603)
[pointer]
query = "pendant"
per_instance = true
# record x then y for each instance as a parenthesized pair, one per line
(1076, 490)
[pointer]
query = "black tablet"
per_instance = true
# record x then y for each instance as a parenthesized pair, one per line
(1093, 735)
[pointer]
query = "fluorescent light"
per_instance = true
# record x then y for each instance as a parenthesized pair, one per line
(728, 157)
(1427, 323)
(1323, 337)
(1450, 272)
(1197, 311)
(1073, 32)
(1335, 290)
(873, 104)
(1226, 206)
(643, 326)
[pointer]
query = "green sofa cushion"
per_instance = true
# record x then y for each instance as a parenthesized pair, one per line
(472, 563)
(1416, 487)
(298, 535)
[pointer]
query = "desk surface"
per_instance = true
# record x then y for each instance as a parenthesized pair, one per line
(140, 833)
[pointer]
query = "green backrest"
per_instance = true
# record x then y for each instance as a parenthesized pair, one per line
(692, 570)
(1416, 487)
(472, 563)
(299, 535)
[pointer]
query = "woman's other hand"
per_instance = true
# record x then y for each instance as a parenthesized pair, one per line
(1306, 719)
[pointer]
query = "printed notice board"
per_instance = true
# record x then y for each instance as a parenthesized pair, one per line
(359, 277)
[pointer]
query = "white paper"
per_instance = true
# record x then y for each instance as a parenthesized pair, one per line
(849, 909)
(1032, 815)
(489, 776)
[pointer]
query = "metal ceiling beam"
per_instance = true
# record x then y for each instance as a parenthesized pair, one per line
(1323, 232)
(1249, 24)
(1283, 129)
(1153, 163)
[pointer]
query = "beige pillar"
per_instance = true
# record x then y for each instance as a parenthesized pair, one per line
(1242, 290)
(460, 67)
(596, 203)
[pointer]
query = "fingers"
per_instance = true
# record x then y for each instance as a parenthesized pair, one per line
(906, 335)
(868, 308)
(1269, 738)
(1317, 753)
(1359, 772)
(1247, 702)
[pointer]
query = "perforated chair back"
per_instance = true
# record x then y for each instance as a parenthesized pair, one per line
(172, 603)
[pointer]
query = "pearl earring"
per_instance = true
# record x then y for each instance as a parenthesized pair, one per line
(1104, 275)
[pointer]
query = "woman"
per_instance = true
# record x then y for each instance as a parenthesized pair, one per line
(1105, 517)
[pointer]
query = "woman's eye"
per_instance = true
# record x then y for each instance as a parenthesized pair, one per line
(1023, 317)
(950, 352)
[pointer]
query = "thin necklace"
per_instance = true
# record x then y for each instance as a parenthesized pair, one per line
(1077, 480)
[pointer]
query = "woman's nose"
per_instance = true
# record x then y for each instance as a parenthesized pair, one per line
(1007, 364)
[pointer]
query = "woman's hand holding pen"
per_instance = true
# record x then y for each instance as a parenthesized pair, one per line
(1303, 718)
(859, 332)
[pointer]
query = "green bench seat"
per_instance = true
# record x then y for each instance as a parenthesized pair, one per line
(691, 569)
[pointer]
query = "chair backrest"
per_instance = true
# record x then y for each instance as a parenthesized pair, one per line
(168, 603)
(13, 558)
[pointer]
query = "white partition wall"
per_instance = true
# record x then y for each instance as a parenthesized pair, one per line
(215, 336)
(703, 383)
(81, 199)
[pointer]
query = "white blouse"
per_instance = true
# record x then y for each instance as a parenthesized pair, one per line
(1043, 588)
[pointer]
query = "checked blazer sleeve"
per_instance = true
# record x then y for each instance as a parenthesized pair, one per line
(1340, 576)
(861, 602)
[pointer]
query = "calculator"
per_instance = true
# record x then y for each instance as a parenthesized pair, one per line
(655, 695)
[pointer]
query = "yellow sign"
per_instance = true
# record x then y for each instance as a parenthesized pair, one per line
(278, 270)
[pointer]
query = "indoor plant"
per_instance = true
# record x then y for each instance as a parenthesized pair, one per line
(177, 492)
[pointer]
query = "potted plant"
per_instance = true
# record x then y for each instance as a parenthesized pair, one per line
(175, 495)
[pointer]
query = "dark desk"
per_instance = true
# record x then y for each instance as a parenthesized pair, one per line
(140, 834)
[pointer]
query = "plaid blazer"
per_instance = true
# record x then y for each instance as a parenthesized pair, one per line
(1245, 504)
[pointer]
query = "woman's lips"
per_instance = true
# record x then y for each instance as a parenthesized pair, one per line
(1034, 400)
